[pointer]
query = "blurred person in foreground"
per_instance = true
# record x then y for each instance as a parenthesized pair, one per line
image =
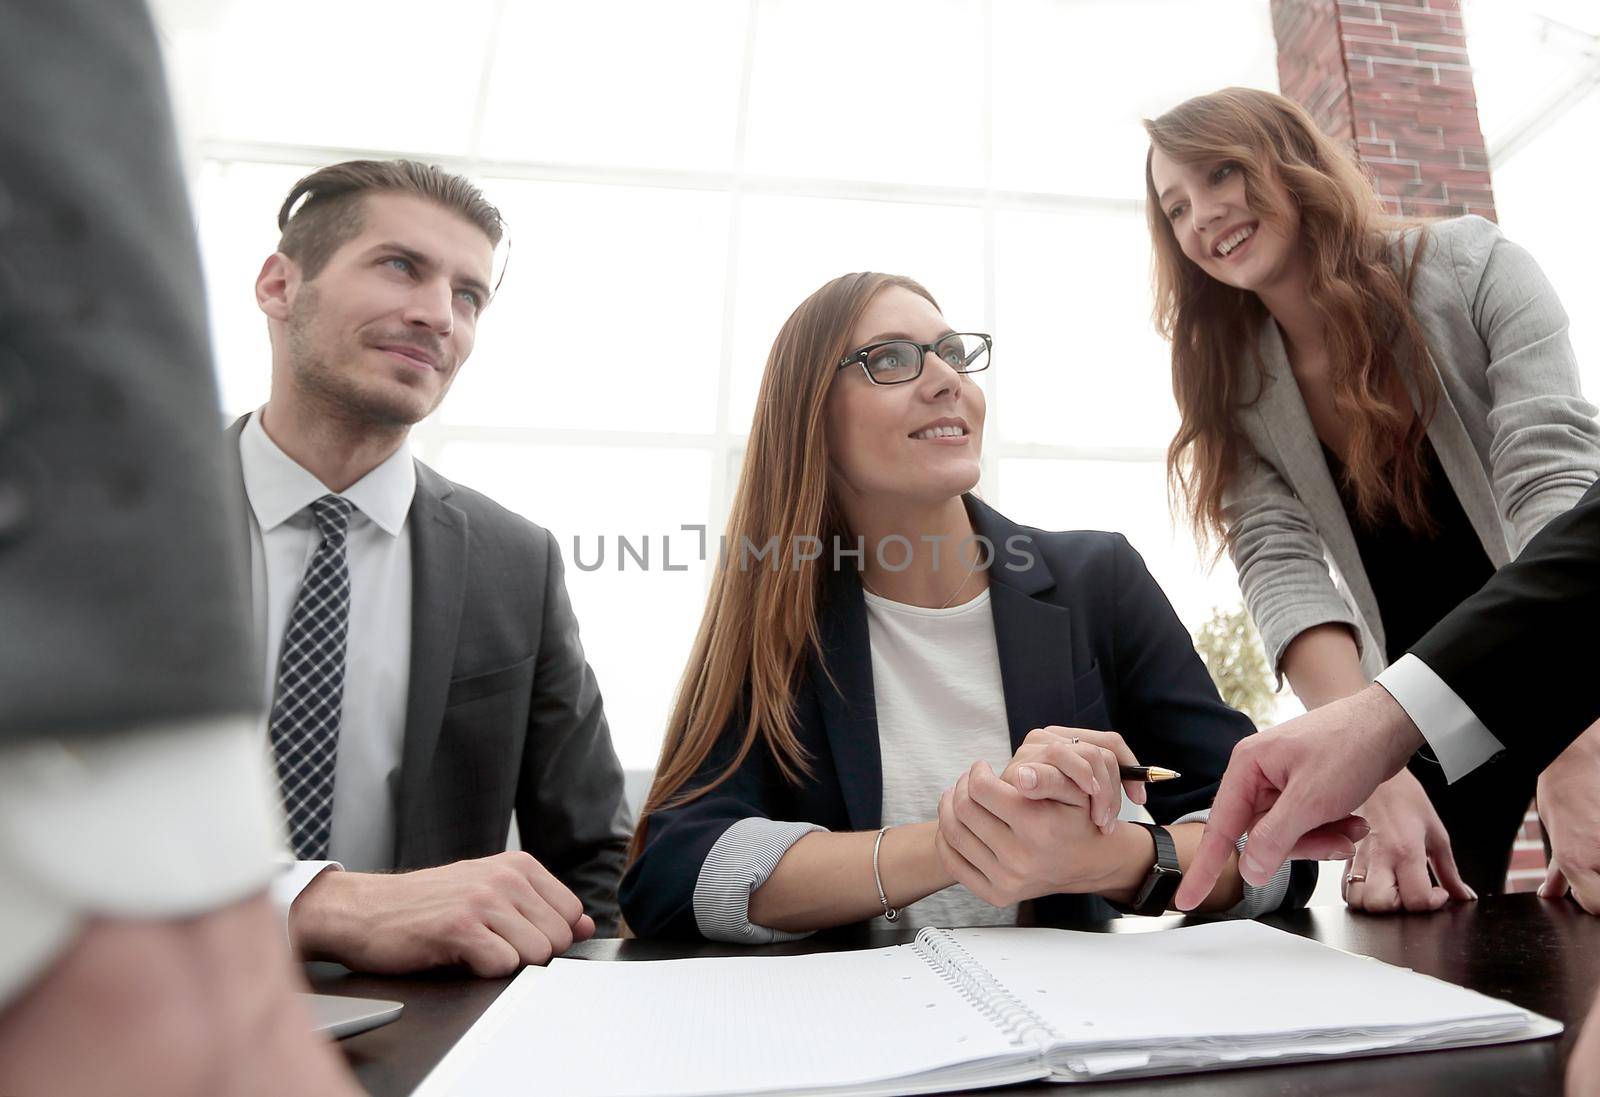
(138, 952)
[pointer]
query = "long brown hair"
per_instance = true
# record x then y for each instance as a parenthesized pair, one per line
(760, 621)
(1359, 283)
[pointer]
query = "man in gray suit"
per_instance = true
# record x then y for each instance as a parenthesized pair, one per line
(420, 648)
(138, 952)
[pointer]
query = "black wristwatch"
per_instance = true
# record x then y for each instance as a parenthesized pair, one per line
(1165, 875)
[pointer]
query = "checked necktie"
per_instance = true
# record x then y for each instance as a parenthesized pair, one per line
(310, 690)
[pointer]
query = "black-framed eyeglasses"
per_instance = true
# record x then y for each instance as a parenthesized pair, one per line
(896, 361)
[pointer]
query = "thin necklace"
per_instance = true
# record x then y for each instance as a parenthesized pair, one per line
(972, 567)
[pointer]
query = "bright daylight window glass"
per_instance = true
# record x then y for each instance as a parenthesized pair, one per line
(678, 177)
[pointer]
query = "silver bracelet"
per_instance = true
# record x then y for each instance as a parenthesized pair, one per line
(889, 912)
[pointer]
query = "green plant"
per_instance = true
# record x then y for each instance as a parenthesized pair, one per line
(1232, 651)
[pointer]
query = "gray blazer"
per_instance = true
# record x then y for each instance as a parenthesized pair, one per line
(504, 713)
(1517, 440)
(119, 605)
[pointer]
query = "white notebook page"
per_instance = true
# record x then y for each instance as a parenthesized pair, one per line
(711, 1026)
(1237, 978)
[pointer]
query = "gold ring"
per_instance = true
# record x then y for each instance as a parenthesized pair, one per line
(1355, 877)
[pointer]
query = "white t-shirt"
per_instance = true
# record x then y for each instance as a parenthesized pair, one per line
(941, 706)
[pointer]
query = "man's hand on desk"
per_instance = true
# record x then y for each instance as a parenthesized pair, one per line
(203, 1006)
(494, 915)
(1293, 789)
(1569, 808)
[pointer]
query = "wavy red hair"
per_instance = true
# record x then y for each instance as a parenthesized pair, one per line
(1359, 282)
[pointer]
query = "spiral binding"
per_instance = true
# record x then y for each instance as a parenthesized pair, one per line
(972, 981)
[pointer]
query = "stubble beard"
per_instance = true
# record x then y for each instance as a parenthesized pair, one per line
(339, 392)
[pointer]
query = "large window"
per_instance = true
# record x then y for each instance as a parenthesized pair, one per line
(677, 177)
(1536, 68)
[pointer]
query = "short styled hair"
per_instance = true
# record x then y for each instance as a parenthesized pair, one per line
(323, 211)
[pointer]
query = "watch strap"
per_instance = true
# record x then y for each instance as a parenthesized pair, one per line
(1165, 875)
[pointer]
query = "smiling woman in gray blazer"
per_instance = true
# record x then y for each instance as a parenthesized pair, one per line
(1376, 415)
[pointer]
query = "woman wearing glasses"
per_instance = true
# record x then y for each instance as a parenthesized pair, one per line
(1398, 399)
(891, 679)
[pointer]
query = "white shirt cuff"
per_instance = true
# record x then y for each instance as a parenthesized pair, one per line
(1457, 737)
(741, 861)
(292, 878)
(163, 822)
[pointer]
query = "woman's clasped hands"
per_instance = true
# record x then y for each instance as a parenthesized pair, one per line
(1048, 823)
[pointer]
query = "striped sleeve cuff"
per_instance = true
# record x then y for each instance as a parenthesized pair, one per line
(741, 861)
(1257, 900)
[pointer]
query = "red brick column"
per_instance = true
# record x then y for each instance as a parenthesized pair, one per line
(1392, 77)
(1528, 864)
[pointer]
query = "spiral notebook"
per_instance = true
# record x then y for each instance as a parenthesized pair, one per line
(958, 1009)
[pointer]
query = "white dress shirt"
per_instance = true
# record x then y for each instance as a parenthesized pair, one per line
(377, 673)
(1457, 737)
(164, 822)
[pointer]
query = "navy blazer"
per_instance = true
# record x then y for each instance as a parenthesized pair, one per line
(1086, 639)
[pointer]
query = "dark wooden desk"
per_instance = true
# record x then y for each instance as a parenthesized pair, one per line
(1544, 956)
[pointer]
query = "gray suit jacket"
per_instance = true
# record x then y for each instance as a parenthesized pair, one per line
(119, 604)
(504, 713)
(1517, 440)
